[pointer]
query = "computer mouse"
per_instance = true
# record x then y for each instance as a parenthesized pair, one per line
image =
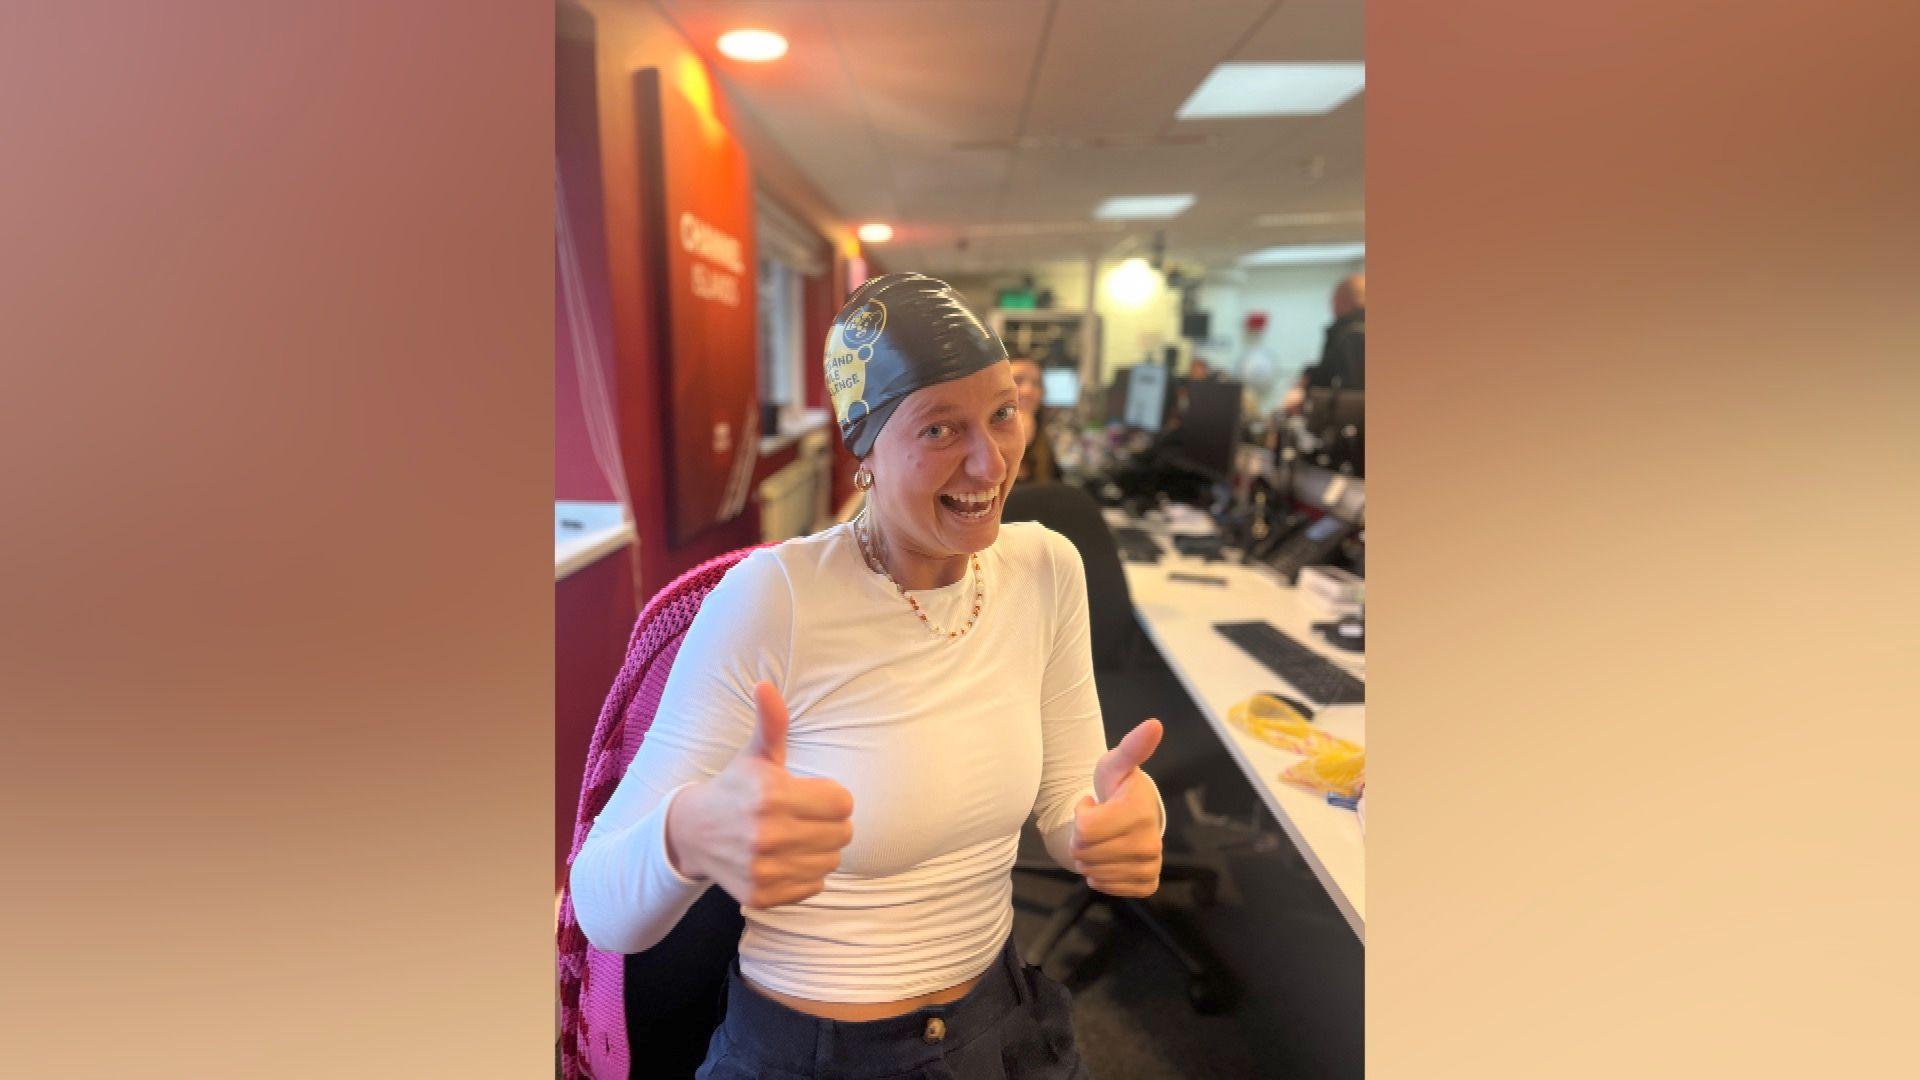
(1349, 633)
(1305, 710)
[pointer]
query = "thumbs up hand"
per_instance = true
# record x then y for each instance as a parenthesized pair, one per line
(764, 835)
(1116, 834)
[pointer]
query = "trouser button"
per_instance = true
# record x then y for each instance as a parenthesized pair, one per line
(936, 1029)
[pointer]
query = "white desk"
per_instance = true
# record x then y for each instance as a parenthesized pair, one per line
(1179, 617)
(584, 532)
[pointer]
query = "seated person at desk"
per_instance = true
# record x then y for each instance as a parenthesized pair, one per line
(1036, 464)
(1163, 467)
(1156, 471)
(1343, 358)
(1324, 414)
(857, 726)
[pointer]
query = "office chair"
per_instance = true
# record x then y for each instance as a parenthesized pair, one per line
(1116, 637)
(668, 998)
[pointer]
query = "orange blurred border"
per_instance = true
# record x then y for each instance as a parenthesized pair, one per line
(278, 606)
(1641, 280)
(277, 654)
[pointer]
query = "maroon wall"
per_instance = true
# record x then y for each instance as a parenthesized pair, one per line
(593, 616)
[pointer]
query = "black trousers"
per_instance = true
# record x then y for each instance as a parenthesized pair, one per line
(1015, 1024)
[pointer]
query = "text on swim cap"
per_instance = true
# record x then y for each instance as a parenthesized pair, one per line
(846, 364)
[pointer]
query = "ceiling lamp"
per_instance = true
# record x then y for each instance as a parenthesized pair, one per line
(1133, 283)
(753, 46)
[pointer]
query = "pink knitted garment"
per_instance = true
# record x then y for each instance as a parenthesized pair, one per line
(593, 1035)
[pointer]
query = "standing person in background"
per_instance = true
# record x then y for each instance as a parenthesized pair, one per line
(1037, 464)
(1258, 366)
(1343, 359)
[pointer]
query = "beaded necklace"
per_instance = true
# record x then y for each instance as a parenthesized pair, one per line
(868, 552)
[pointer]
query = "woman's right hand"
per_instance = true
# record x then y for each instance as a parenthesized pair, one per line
(764, 835)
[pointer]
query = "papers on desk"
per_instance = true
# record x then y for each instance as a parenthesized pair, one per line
(1332, 588)
(1182, 518)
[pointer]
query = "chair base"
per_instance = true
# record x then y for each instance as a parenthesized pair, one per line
(1209, 990)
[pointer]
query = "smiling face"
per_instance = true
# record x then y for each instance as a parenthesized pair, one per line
(941, 469)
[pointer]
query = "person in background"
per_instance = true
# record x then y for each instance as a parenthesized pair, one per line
(856, 727)
(1258, 367)
(1343, 358)
(1036, 464)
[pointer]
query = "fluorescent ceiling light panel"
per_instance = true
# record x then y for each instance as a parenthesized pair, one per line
(1310, 217)
(1274, 90)
(1305, 254)
(1143, 207)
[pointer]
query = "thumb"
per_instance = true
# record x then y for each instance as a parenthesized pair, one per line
(1080, 809)
(1118, 763)
(769, 740)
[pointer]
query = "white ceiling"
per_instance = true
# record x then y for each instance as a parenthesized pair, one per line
(974, 126)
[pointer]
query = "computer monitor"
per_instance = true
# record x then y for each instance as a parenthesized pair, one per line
(1116, 398)
(1060, 388)
(1146, 397)
(1210, 427)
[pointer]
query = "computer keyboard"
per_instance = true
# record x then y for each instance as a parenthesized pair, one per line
(1199, 547)
(1322, 681)
(1137, 545)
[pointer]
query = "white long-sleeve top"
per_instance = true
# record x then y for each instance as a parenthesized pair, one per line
(947, 746)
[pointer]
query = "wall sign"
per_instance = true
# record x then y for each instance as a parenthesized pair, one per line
(697, 239)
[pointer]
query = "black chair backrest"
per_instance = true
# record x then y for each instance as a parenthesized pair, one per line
(675, 991)
(1076, 515)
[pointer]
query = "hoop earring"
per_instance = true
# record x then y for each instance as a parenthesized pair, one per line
(863, 480)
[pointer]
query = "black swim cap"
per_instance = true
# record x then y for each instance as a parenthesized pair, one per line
(896, 334)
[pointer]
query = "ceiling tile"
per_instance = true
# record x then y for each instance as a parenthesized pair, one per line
(1309, 30)
(875, 94)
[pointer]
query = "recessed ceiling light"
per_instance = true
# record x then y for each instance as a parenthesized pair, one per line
(1031, 229)
(753, 46)
(1274, 90)
(1310, 217)
(875, 233)
(1143, 207)
(1305, 254)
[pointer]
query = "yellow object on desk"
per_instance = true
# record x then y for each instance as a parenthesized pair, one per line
(1340, 770)
(1332, 764)
(1278, 724)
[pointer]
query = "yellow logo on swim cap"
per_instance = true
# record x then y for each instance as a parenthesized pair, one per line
(847, 354)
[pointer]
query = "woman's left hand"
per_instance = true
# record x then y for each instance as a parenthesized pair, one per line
(1116, 840)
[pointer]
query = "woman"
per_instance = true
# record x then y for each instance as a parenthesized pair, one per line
(1036, 464)
(856, 727)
